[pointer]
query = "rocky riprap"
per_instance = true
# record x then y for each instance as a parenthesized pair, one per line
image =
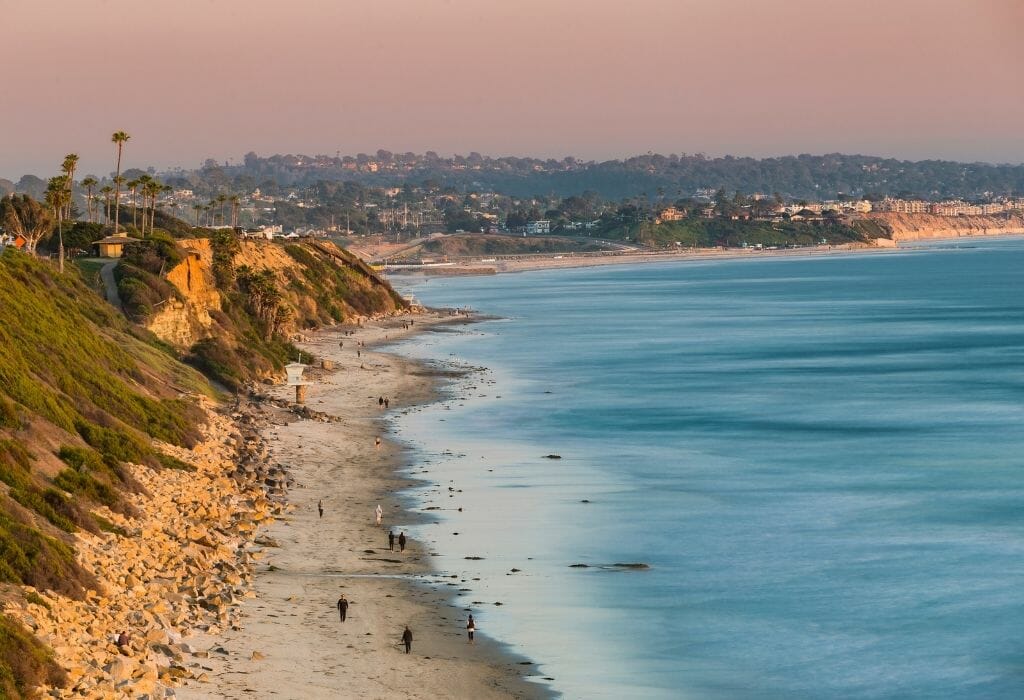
(180, 567)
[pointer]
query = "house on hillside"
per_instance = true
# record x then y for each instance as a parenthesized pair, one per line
(669, 214)
(538, 228)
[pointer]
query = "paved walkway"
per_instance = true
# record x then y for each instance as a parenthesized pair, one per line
(107, 275)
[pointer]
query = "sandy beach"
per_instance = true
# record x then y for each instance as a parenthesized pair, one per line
(290, 642)
(548, 261)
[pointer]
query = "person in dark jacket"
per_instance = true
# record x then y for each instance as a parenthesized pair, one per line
(407, 639)
(343, 607)
(401, 542)
(391, 540)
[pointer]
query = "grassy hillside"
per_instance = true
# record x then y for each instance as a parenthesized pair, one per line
(707, 233)
(84, 391)
(81, 392)
(475, 245)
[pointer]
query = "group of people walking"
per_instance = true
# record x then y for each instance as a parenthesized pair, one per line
(400, 539)
(343, 604)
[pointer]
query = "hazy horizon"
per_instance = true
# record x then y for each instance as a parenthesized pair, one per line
(236, 160)
(598, 80)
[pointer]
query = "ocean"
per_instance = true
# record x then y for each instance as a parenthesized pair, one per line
(821, 461)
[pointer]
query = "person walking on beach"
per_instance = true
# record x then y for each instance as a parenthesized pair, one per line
(401, 541)
(343, 607)
(387, 403)
(379, 512)
(391, 540)
(376, 442)
(380, 400)
(470, 628)
(320, 507)
(407, 639)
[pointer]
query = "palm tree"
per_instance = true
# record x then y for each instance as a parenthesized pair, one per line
(133, 185)
(221, 199)
(68, 167)
(57, 196)
(162, 189)
(118, 184)
(152, 190)
(106, 191)
(119, 138)
(197, 208)
(143, 182)
(235, 205)
(88, 183)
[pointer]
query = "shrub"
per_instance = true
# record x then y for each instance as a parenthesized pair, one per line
(29, 557)
(113, 443)
(25, 663)
(43, 503)
(10, 416)
(172, 462)
(88, 486)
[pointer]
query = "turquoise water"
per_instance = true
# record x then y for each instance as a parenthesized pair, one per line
(820, 460)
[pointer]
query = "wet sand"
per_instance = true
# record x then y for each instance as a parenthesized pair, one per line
(291, 643)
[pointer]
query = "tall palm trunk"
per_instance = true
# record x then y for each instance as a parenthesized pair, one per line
(135, 207)
(119, 138)
(60, 240)
(117, 189)
(71, 196)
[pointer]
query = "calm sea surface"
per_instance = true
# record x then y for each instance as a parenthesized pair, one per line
(821, 461)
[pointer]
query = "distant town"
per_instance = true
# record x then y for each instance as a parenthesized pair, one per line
(652, 201)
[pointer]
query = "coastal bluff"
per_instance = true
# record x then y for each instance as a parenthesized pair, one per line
(916, 227)
(320, 284)
(131, 489)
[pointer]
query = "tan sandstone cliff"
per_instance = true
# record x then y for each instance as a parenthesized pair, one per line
(182, 323)
(319, 282)
(913, 227)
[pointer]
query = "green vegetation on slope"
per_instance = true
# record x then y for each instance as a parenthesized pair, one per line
(247, 342)
(139, 274)
(70, 361)
(709, 233)
(24, 663)
(341, 285)
(83, 391)
(491, 244)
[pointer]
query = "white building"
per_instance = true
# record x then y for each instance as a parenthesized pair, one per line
(538, 228)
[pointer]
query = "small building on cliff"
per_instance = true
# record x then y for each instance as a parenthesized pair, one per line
(113, 246)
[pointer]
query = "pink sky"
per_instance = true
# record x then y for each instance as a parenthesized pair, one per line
(599, 79)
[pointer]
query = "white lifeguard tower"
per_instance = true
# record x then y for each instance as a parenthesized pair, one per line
(295, 370)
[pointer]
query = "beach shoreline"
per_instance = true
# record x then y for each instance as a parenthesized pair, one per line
(552, 261)
(290, 642)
